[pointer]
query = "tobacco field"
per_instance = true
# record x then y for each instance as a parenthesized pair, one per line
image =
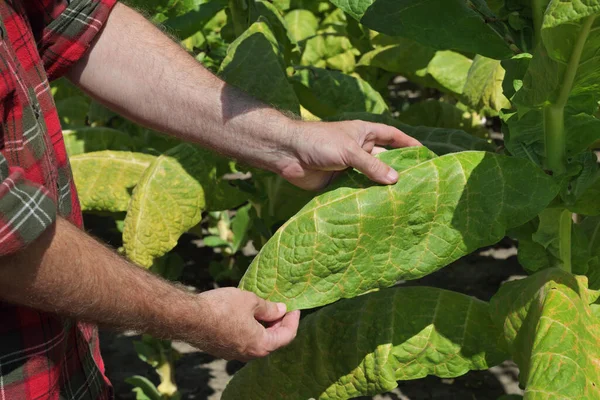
(503, 94)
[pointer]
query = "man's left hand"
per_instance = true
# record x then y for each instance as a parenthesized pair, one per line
(320, 150)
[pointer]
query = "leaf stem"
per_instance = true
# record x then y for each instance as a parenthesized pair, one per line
(574, 61)
(564, 244)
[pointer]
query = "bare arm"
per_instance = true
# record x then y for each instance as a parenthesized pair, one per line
(138, 71)
(69, 273)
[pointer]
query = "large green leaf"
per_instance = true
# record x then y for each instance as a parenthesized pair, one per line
(170, 197)
(551, 334)
(444, 70)
(568, 56)
(354, 239)
(540, 248)
(591, 229)
(264, 10)
(326, 93)
(587, 202)
(73, 111)
(301, 24)
(441, 114)
(526, 134)
(329, 50)
(254, 63)
(85, 140)
(483, 87)
(105, 179)
(439, 140)
(442, 24)
(184, 26)
(364, 345)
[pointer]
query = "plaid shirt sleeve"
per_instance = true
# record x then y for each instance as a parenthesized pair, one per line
(26, 209)
(64, 30)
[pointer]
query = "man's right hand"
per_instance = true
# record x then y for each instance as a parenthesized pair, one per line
(233, 328)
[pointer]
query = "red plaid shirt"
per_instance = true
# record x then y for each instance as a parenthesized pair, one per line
(42, 356)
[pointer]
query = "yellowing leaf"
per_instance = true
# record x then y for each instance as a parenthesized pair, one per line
(483, 88)
(170, 198)
(551, 334)
(105, 179)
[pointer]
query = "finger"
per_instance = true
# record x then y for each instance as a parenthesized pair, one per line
(268, 311)
(283, 334)
(377, 150)
(386, 135)
(372, 167)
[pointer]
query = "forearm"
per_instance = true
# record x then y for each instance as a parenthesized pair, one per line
(154, 82)
(69, 273)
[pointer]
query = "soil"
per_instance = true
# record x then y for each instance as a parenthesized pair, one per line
(203, 377)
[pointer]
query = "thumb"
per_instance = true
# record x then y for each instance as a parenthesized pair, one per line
(372, 167)
(268, 311)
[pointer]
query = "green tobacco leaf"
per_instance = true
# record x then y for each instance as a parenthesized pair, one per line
(515, 68)
(455, 24)
(591, 228)
(570, 37)
(73, 111)
(170, 197)
(105, 179)
(301, 24)
(526, 134)
(264, 10)
(441, 114)
(439, 140)
(364, 345)
(551, 334)
(539, 244)
(444, 70)
(327, 50)
(254, 63)
(86, 140)
(184, 26)
(483, 88)
(588, 201)
(326, 93)
(353, 239)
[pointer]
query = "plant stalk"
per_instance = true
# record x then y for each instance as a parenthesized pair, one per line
(564, 245)
(556, 141)
(554, 113)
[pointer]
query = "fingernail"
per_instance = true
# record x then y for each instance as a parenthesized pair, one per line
(281, 307)
(392, 175)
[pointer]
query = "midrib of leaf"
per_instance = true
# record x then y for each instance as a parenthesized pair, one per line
(538, 17)
(574, 61)
(359, 191)
(140, 213)
(554, 113)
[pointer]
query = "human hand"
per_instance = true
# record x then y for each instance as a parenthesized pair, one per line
(233, 330)
(321, 149)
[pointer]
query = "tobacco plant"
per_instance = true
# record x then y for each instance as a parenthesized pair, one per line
(530, 64)
(540, 63)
